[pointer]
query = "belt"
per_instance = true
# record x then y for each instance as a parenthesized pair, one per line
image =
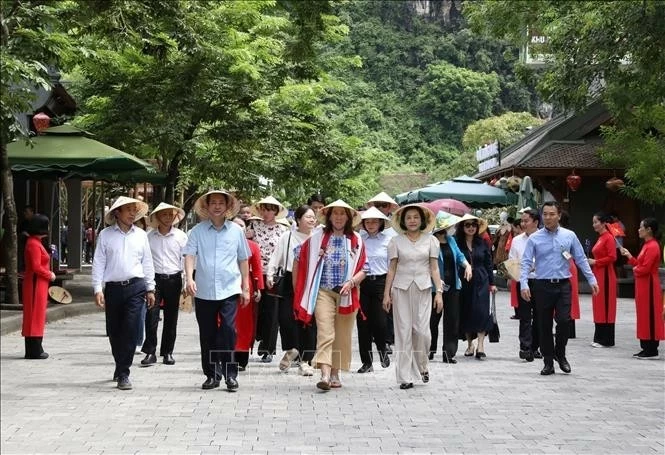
(375, 277)
(124, 283)
(164, 276)
(552, 280)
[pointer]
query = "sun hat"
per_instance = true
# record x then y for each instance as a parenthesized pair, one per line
(374, 213)
(179, 214)
(383, 197)
(339, 203)
(444, 220)
(430, 219)
(141, 208)
(269, 200)
(482, 223)
(232, 204)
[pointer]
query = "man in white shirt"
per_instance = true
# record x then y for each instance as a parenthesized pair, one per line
(166, 245)
(526, 311)
(123, 279)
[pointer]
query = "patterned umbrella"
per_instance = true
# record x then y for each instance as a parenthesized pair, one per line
(448, 205)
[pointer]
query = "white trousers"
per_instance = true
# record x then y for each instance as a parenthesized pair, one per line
(411, 312)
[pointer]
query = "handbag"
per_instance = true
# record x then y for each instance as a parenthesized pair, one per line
(278, 289)
(494, 333)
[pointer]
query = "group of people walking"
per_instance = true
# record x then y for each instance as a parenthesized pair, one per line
(252, 277)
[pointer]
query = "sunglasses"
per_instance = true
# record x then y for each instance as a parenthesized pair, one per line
(466, 225)
(381, 205)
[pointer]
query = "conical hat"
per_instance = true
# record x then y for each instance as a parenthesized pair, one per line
(283, 212)
(232, 207)
(374, 213)
(482, 224)
(339, 203)
(141, 208)
(444, 220)
(383, 197)
(180, 214)
(430, 219)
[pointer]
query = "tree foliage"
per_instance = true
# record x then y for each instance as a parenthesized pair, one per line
(612, 50)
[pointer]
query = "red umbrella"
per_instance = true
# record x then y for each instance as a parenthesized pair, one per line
(448, 205)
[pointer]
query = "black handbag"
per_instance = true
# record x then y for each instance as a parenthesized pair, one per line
(494, 333)
(278, 289)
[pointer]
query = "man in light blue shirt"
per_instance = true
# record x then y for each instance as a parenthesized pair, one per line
(552, 247)
(219, 249)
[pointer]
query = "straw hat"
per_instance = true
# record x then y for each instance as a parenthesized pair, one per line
(141, 208)
(283, 222)
(383, 197)
(232, 207)
(482, 224)
(374, 213)
(283, 212)
(339, 203)
(179, 214)
(430, 219)
(444, 220)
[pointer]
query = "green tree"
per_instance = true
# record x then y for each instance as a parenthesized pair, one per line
(612, 50)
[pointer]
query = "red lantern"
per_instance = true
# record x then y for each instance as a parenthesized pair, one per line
(573, 181)
(41, 121)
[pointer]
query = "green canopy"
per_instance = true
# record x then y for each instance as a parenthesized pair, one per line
(465, 189)
(66, 151)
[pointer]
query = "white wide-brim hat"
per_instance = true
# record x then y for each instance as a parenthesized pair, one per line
(373, 213)
(444, 220)
(383, 197)
(430, 219)
(232, 204)
(179, 214)
(141, 209)
(339, 203)
(482, 223)
(283, 212)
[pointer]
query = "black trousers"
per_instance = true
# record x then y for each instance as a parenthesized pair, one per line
(374, 326)
(650, 346)
(552, 300)
(294, 334)
(451, 316)
(217, 342)
(124, 304)
(529, 335)
(168, 289)
(268, 323)
(604, 334)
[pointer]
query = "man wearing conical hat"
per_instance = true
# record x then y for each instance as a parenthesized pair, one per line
(123, 279)
(166, 244)
(218, 247)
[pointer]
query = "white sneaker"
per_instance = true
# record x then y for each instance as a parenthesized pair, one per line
(305, 369)
(289, 356)
(596, 345)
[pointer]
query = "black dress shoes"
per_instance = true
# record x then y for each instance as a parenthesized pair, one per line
(385, 360)
(563, 364)
(366, 368)
(231, 384)
(149, 359)
(547, 370)
(526, 355)
(210, 383)
(169, 360)
(406, 386)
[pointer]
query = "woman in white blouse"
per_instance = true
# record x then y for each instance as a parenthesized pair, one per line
(297, 339)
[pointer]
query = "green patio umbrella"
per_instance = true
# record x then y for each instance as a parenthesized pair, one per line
(466, 189)
(66, 151)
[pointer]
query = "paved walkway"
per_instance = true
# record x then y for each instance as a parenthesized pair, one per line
(611, 403)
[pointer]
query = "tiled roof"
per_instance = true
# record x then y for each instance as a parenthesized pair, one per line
(567, 154)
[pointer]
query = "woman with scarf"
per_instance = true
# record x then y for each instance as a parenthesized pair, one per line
(327, 270)
(413, 268)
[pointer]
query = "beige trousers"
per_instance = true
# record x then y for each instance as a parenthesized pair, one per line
(333, 332)
(411, 312)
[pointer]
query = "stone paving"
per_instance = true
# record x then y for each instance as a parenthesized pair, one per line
(611, 403)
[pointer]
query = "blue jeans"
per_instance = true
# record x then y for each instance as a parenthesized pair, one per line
(124, 306)
(217, 342)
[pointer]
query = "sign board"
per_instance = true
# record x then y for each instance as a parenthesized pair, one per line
(488, 156)
(534, 53)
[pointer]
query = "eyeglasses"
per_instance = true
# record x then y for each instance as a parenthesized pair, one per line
(466, 225)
